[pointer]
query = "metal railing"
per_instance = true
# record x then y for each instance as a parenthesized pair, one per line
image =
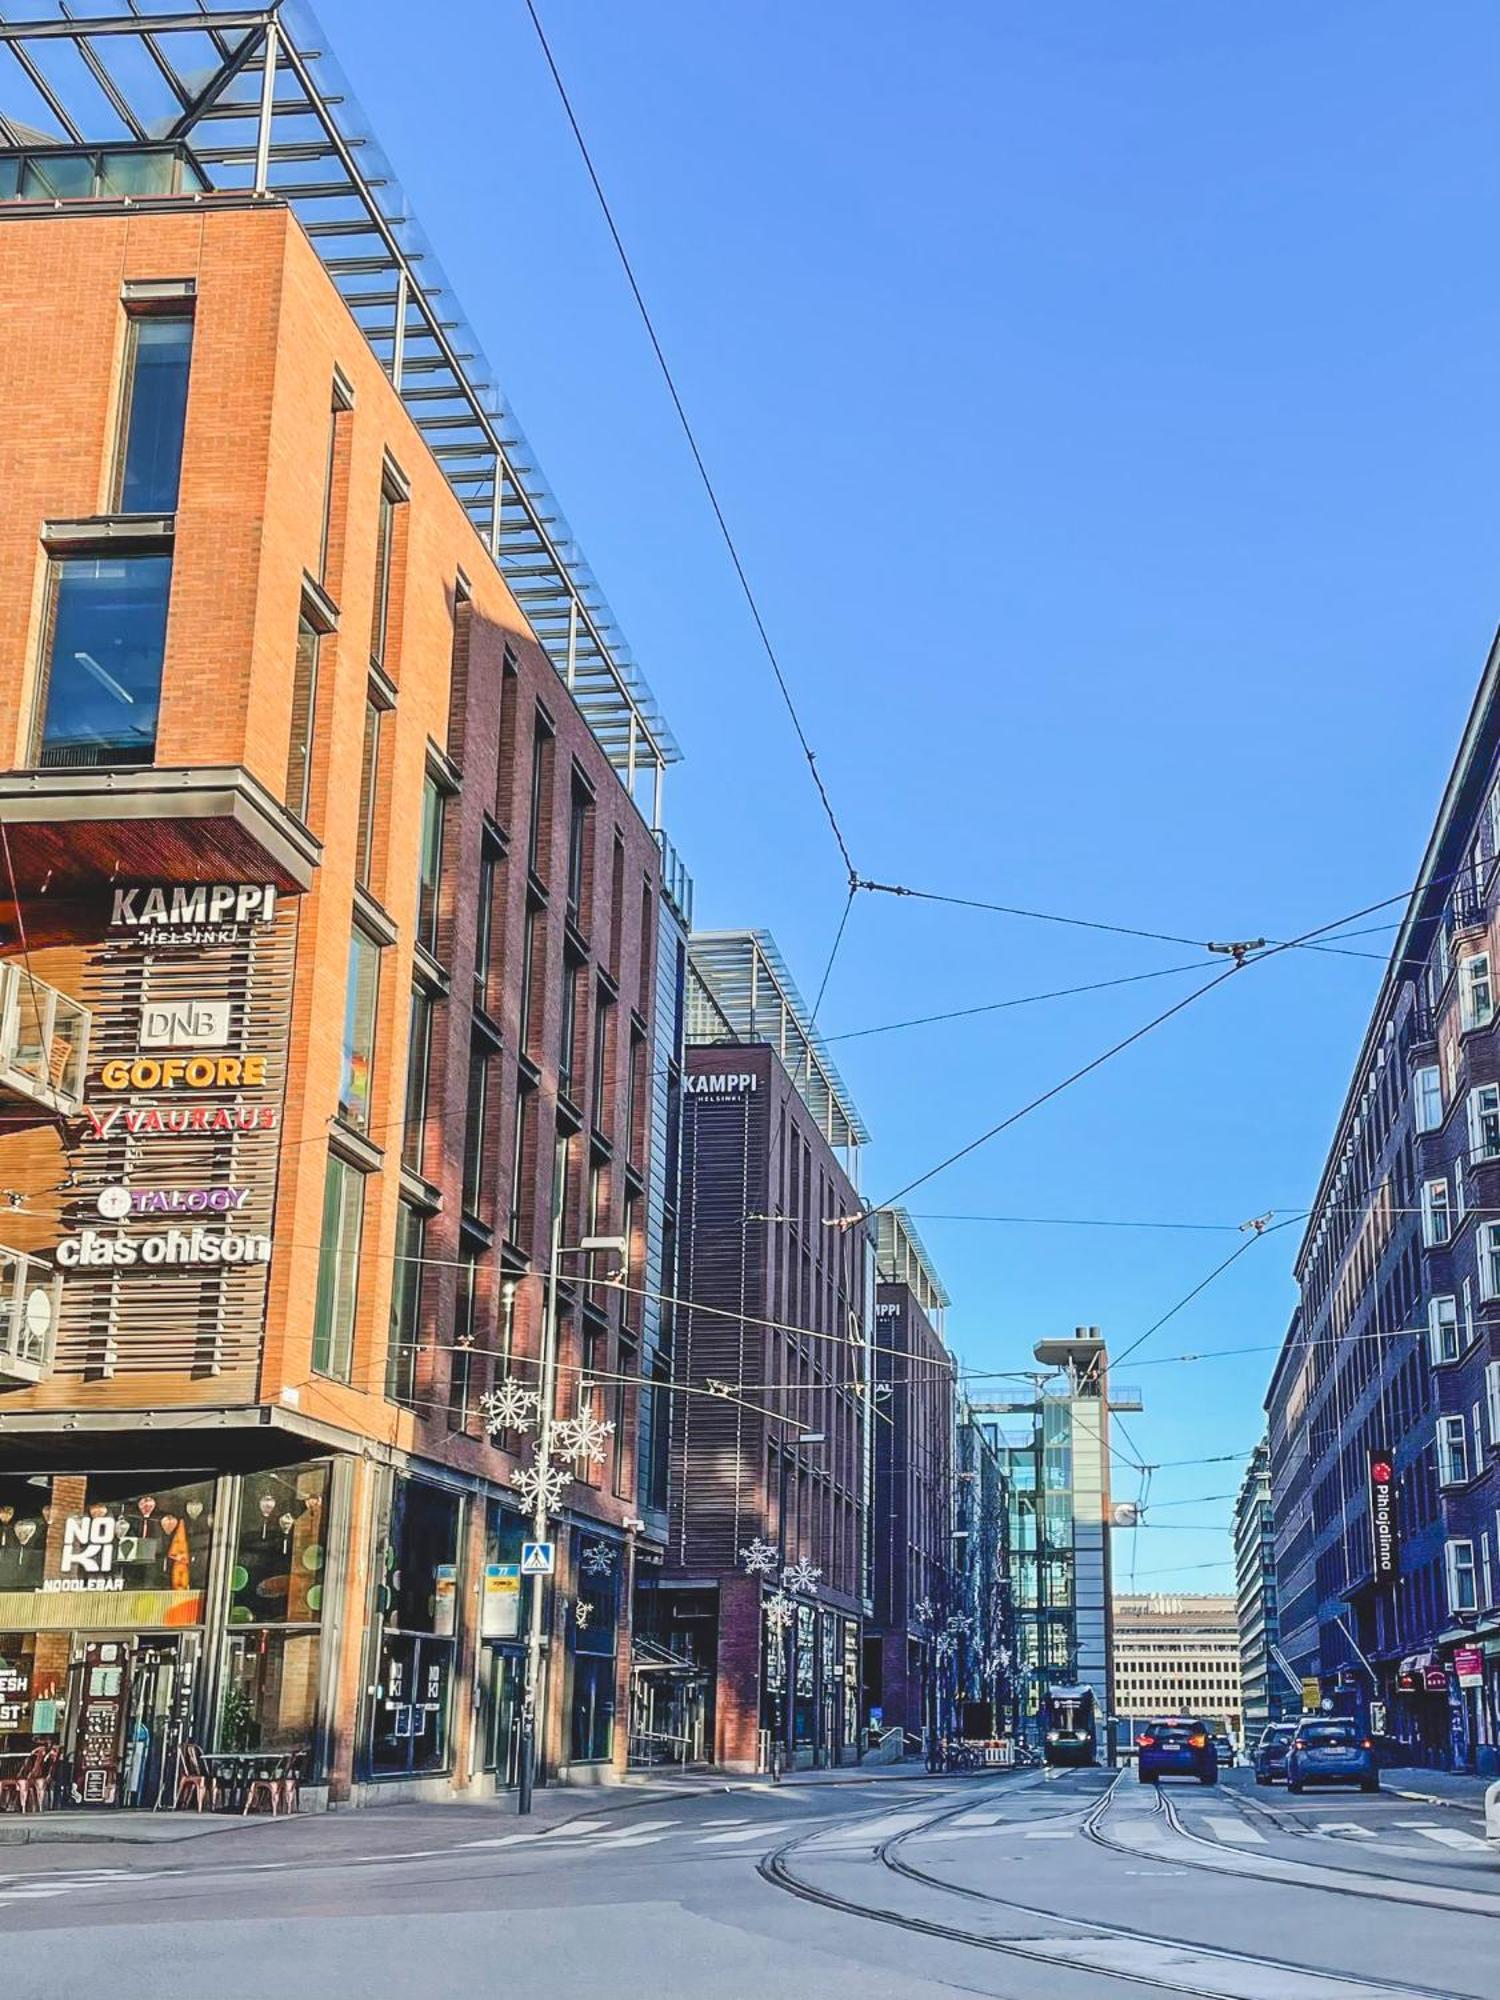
(28, 1316)
(44, 1041)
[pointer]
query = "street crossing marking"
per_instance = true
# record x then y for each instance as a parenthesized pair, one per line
(1446, 1836)
(743, 1833)
(1235, 1829)
(1350, 1829)
(1049, 1833)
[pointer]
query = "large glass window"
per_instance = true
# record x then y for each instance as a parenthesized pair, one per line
(476, 1150)
(361, 994)
(579, 818)
(418, 1055)
(280, 1548)
(567, 1051)
(107, 628)
(338, 1269)
(417, 1602)
(595, 1626)
(304, 707)
(1429, 1094)
(369, 784)
(406, 1301)
(157, 352)
(430, 868)
(385, 548)
(523, 1167)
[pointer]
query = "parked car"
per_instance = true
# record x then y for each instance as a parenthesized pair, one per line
(1331, 1752)
(1271, 1753)
(1492, 1816)
(1178, 1746)
(1224, 1745)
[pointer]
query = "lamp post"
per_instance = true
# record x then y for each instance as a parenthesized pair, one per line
(548, 1487)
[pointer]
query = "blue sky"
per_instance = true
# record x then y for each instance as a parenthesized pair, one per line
(1103, 401)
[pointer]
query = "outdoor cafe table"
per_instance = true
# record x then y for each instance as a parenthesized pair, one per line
(235, 1771)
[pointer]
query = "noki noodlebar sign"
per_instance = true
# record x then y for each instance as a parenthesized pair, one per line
(1383, 1515)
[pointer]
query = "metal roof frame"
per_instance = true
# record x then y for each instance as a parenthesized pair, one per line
(901, 1258)
(264, 110)
(741, 981)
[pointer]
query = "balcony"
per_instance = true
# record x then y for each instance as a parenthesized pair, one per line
(74, 830)
(1466, 907)
(29, 1292)
(44, 1042)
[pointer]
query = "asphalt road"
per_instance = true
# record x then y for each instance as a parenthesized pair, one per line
(1057, 1887)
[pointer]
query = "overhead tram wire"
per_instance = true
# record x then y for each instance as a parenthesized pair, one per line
(1117, 1048)
(697, 454)
(1021, 1000)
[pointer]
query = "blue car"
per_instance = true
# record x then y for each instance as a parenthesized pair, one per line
(1331, 1752)
(1179, 1746)
(1272, 1751)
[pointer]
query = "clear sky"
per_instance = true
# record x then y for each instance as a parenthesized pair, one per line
(1103, 398)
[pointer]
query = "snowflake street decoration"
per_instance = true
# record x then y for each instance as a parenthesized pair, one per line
(943, 1645)
(511, 1407)
(598, 1559)
(761, 1558)
(922, 1610)
(582, 1613)
(801, 1576)
(780, 1611)
(584, 1436)
(959, 1623)
(539, 1480)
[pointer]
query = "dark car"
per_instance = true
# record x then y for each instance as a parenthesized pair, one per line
(1225, 1747)
(1331, 1753)
(1179, 1746)
(1271, 1752)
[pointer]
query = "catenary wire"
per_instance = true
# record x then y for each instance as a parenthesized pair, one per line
(693, 446)
(1021, 1000)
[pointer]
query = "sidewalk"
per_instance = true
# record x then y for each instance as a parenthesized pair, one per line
(552, 1806)
(1441, 1788)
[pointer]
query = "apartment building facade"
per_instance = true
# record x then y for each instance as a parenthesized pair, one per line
(1177, 1655)
(340, 989)
(1266, 1693)
(1384, 1406)
(765, 1583)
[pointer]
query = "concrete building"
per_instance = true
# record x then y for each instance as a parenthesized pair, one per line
(1384, 1406)
(1177, 1655)
(914, 1579)
(766, 1583)
(335, 927)
(1055, 1456)
(984, 1650)
(1265, 1692)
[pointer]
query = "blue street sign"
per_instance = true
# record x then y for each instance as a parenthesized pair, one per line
(537, 1559)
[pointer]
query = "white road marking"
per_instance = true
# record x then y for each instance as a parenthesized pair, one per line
(743, 1833)
(1050, 1833)
(1446, 1836)
(1347, 1827)
(1235, 1829)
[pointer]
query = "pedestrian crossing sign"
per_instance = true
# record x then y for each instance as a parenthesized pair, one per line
(537, 1558)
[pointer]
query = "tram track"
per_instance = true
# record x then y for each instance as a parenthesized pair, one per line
(775, 1868)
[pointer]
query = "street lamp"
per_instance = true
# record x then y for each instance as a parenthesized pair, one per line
(547, 1488)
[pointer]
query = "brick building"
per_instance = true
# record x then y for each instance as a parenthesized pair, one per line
(1384, 1405)
(913, 1579)
(342, 973)
(771, 1444)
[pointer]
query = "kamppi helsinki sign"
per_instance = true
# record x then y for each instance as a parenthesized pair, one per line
(191, 913)
(1383, 1514)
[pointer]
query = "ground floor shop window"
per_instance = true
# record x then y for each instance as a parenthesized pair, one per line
(270, 1697)
(416, 1603)
(411, 1705)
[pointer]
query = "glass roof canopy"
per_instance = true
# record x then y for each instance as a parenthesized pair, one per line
(263, 107)
(741, 990)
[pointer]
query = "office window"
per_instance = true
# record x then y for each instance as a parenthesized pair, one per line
(1476, 996)
(1436, 1226)
(106, 634)
(1489, 1260)
(361, 994)
(598, 1083)
(579, 819)
(158, 348)
(430, 867)
(1484, 1121)
(475, 1190)
(304, 706)
(418, 1057)
(385, 550)
(528, 976)
(338, 1270)
(522, 1164)
(1429, 1098)
(568, 1033)
(541, 795)
(1463, 1593)
(406, 1297)
(369, 786)
(1492, 1398)
(1442, 1330)
(1452, 1451)
(484, 938)
(461, 1385)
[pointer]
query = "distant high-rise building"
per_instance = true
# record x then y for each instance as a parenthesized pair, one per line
(1177, 1655)
(1266, 1693)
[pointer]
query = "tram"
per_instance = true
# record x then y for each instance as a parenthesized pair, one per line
(1070, 1733)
